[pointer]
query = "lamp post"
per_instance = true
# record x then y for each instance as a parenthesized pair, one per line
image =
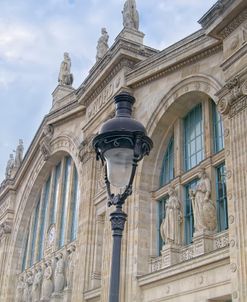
(121, 143)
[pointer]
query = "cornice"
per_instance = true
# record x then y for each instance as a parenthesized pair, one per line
(188, 60)
(214, 12)
(226, 31)
(234, 58)
(123, 53)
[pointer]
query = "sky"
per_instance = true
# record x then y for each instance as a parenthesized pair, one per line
(34, 35)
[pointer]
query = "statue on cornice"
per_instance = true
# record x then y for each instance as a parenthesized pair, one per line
(102, 45)
(9, 167)
(19, 154)
(65, 77)
(170, 228)
(47, 285)
(19, 289)
(203, 207)
(130, 15)
(37, 282)
(59, 278)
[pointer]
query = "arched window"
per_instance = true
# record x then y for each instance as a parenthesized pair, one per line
(54, 220)
(193, 138)
(199, 139)
(167, 170)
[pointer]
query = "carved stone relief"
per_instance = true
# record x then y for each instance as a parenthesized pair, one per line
(203, 207)
(70, 265)
(45, 144)
(47, 284)
(86, 150)
(37, 282)
(59, 278)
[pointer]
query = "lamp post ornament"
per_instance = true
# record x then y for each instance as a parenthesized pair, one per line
(121, 143)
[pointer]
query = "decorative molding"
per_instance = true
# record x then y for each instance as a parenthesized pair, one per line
(86, 150)
(235, 23)
(174, 67)
(45, 143)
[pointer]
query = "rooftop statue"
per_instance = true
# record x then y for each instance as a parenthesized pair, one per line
(19, 154)
(65, 77)
(102, 45)
(130, 15)
(9, 167)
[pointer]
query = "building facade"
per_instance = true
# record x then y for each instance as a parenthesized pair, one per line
(185, 237)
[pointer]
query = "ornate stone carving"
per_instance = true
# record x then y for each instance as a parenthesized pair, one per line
(20, 289)
(10, 167)
(37, 282)
(130, 15)
(170, 228)
(27, 293)
(86, 150)
(223, 105)
(65, 77)
(59, 278)
(19, 154)
(47, 284)
(102, 45)
(51, 234)
(5, 228)
(70, 266)
(45, 144)
(203, 208)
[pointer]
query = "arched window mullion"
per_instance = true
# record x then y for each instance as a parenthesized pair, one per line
(167, 170)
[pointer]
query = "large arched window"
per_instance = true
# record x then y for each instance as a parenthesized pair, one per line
(198, 133)
(54, 220)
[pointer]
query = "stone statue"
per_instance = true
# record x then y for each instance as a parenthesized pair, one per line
(65, 77)
(59, 279)
(36, 289)
(5, 228)
(170, 228)
(9, 167)
(20, 289)
(70, 266)
(47, 285)
(19, 154)
(130, 15)
(27, 287)
(203, 208)
(102, 45)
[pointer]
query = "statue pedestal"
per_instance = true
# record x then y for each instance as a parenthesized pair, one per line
(170, 255)
(132, 35)
(203, 243)
(67, 294)
(56, 297)
(59, 94)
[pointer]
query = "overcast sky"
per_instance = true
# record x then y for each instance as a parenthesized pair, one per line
(34, 34)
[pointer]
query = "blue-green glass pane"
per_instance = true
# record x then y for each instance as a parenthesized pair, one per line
(65, 198)
(188, 213)
(167, 169)
(221, 195)
(74, 206)
(161, 215)
(193, 138)
(34, 232)
(44, 205)
(218, 129)
(54, 200)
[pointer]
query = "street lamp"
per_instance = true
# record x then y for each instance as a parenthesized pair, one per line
(120, 144)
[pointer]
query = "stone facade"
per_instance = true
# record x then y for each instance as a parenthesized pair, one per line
(207, 66)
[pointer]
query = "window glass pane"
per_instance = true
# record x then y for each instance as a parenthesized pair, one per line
(188, 213)
(167, 170)
(193, 138)
(34, 232)
(161, 215)
(54, 200)
(43, 208)
(65, 199)
(74, 206)
(218, 130)
(221, 201)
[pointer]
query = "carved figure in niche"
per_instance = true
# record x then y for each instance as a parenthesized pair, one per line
(203, 208)
(27, 297)
(20, 289)
(19, 154)
(70, 266)
(59, 279)
(170, 228)
(47, 285)
(65, 77)
(9, 167)
(37, 282)
(130, 15)
(102, 45)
